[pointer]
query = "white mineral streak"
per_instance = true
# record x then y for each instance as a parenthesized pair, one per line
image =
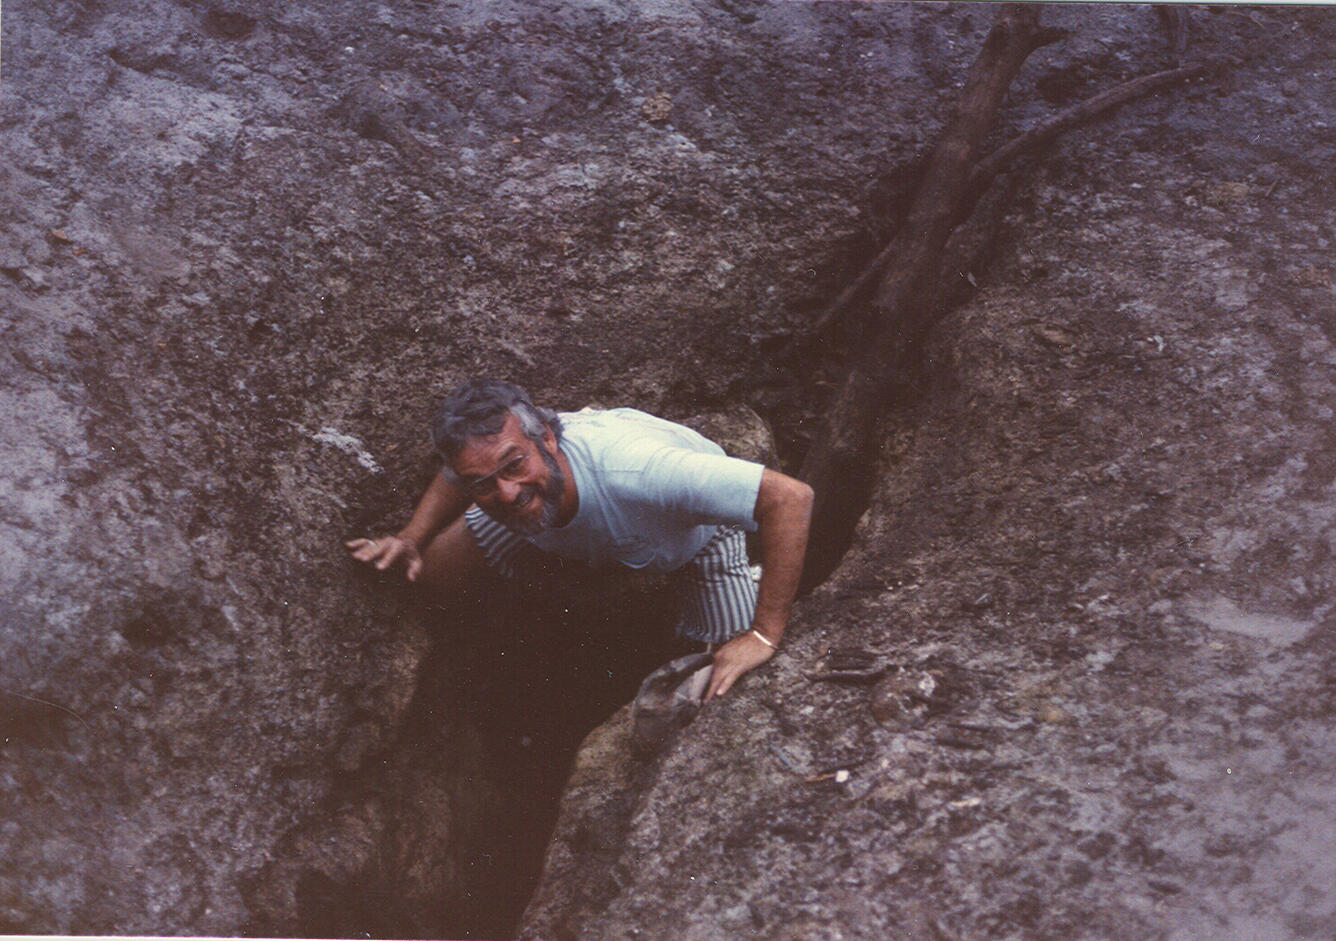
(348, 444)
(1222, 614)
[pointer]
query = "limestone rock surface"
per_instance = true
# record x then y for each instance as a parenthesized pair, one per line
(1092, 599)
(246, 245)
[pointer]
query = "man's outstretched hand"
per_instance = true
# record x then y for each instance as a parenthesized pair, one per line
(388, 551)
(742, 653)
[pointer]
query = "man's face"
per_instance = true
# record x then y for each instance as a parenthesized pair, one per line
(515, 480)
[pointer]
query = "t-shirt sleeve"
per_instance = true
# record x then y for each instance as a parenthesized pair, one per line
(703, 488)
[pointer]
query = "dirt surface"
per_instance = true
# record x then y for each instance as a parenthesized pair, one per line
(246, 244)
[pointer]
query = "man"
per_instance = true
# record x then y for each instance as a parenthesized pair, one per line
(614, 486)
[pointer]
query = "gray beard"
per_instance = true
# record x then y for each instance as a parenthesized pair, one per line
(551, 495)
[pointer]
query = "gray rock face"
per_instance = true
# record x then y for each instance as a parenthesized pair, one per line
(1104, 535)
(247, 244)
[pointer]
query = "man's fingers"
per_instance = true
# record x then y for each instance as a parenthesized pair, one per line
(382, 553)
(414, 569)
(390, 550)
(734, 659)
(719, 685)
(722, 679)
(364, 550)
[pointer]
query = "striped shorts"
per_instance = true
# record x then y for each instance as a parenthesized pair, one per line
(718, 588)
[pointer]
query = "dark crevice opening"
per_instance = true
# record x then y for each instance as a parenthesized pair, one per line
(531, 670)
(538, 667)
(797, 396)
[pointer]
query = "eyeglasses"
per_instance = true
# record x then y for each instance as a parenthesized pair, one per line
(512, 469)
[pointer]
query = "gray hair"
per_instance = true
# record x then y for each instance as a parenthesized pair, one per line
(479, 408)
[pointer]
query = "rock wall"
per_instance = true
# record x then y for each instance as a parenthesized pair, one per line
(245, 246)
(1074, 679)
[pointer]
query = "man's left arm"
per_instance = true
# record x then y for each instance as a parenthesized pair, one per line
(783, 514)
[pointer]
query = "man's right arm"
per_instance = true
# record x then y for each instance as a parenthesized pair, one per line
(442, 504)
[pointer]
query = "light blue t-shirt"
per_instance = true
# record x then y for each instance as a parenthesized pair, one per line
(652, 492)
